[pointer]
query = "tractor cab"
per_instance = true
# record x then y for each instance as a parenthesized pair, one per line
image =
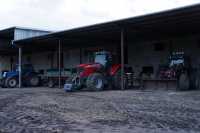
(179, 62)
(177, 58)
(105, 59)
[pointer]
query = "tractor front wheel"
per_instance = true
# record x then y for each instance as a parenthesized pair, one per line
(96, 81)
(11, 82)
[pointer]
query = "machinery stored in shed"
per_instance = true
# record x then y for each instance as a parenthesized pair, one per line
(29, 77)
(180, 68)
(100, 75)
(52, 76)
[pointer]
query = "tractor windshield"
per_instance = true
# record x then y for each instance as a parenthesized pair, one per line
(176, 59)
(101, 59)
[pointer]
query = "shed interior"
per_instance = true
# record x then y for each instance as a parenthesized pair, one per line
(153, 30)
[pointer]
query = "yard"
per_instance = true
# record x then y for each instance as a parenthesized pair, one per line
(43, 110)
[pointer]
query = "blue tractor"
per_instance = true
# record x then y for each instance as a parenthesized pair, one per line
(29, 77)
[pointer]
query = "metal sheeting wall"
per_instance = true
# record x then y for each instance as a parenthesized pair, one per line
(26, 33)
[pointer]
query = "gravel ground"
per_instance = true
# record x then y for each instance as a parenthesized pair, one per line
(43, 110)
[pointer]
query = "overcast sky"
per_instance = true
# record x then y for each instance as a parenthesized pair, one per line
(64, 14)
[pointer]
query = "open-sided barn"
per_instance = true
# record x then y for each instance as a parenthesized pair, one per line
(144, 42)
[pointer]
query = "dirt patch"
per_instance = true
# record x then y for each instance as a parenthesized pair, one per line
(52, 110)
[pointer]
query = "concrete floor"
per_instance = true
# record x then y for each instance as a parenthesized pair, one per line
(43, 110)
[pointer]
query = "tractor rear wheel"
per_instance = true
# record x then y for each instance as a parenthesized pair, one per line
(95, 81)
(11, 82)
(34, 80)
(184, 82)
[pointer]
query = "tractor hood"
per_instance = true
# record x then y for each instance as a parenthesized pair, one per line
(83, 65)
(85, 70)
(89, 65)
(9, 74)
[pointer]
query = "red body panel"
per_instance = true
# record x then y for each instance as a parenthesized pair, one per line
(92, 68)
(114, 69)
(83, 65)
(89, 69)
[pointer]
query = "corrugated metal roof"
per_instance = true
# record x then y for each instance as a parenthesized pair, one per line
(25, 33)
(187, 17)
(12, 33)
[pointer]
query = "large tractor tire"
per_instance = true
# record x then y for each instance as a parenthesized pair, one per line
(184, 82)
(96, 82)
(34, 81)
(11, 82)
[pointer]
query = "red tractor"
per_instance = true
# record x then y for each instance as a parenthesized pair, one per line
(98, 75)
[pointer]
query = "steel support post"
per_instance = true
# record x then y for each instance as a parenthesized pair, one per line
(20, 67)
(81, 59)
(122, 59)
(59, 62)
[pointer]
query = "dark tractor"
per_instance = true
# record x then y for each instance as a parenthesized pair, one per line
(29, 77)
(98, 75)
(180, 68)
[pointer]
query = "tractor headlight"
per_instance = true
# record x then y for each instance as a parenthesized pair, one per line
(4, 74)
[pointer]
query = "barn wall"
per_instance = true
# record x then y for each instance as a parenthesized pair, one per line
(40, 61)
(49, 60)
(5, 63)
(139, 54)
(71, 58)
